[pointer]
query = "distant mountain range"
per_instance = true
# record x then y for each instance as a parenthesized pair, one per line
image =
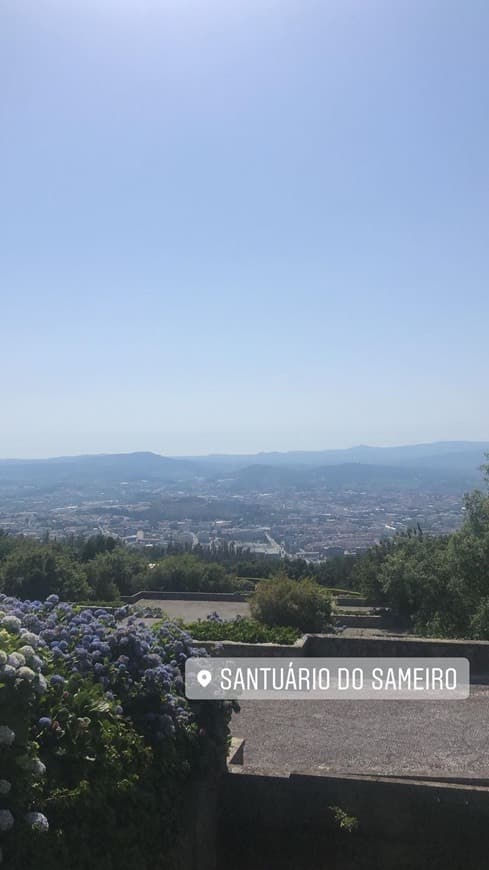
(443, 463)
(111, 467)
(465, 455)
(352, 475)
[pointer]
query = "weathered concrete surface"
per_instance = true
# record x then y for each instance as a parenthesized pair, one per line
(449, 738)
(190, 611)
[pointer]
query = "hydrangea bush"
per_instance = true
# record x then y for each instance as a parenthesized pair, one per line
(97, 740)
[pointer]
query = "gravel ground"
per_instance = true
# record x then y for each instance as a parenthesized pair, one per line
(448, 738)
(190, 611)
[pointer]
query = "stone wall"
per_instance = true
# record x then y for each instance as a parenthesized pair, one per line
(251, 819)
(184, 596)
(477, 652)
(358, 620)
(277, 822)
(336, 646)
(235, 649)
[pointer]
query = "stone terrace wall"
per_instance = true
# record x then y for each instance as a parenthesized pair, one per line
(184, 596)
(477, 652)
(336, 646)
(276, 822)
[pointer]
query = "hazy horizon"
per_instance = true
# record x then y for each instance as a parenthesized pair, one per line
(470, 442)
(242, 227)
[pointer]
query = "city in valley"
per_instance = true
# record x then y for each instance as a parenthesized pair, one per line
(310, 505)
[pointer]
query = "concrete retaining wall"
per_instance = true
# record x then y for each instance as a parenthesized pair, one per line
(276, 822)
(234, 649)
(351, 601)
(477, 652)
(196, 849)
(336, 646)
(357, 620)
(184, 596)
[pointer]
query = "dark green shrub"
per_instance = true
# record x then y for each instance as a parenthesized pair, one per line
(300, 604)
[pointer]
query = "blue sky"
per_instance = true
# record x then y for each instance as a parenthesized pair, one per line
(242, 226)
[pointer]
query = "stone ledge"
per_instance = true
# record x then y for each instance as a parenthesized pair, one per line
(236, 751)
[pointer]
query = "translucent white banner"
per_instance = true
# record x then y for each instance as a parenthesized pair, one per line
(407, 679)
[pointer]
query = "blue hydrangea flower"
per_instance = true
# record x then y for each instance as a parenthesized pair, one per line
(6, 821)
(26, 674)
(52, 599)
(37, 821)
(16, 659)
(12, 624)
(7, 736)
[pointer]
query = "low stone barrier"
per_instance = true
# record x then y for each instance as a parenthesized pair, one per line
(358, 620)
(271, 821)
(351, 600)
(184, 596)
(337, 646)
(330, 645)
(235, 649)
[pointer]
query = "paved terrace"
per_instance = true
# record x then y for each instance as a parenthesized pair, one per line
(190, 611)
(449, 738)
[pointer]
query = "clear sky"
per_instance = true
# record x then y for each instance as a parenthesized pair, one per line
(242, 225)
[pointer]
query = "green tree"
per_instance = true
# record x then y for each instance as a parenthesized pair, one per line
(91, 547)
(7, 544)
(187, 573)
(115, 573)
(365, 572)
(35, 571)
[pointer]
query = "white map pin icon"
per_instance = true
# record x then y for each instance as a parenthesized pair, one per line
(204, 678)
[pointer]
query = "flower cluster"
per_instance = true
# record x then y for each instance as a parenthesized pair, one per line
(48, 651)
(214, 617)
